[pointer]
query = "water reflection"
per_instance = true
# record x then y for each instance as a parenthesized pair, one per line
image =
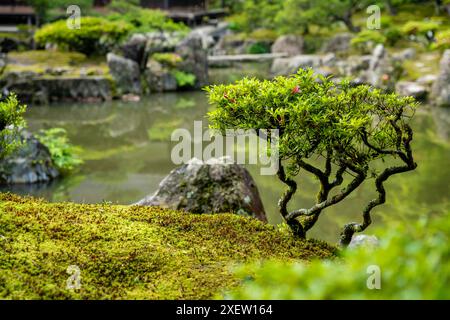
(127, 153)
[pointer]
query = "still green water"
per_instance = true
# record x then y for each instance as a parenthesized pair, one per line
(126, 148)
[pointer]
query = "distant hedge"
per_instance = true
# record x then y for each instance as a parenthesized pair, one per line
(96, 35)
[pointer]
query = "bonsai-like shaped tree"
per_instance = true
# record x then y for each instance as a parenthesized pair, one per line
(339, 133)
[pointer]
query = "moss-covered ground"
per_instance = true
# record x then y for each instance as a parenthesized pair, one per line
(130, 252)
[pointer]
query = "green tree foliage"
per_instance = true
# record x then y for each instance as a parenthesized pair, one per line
(96, 35)
(11, 119)
(63, 153)
(349, 129)
(413, 259)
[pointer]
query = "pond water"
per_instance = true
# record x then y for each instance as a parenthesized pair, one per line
(126, 148)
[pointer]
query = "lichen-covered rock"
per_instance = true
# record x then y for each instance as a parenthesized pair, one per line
(441, 88)
(362, 240)
(36, 89)
(290, 44)
(126, 74)
(413, 89)
(195, 58)
(2, 62)
(30, 163)
(134, 49)
(340, 43)
(209, 187)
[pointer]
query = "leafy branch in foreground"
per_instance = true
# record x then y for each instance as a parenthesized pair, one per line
(338, 133)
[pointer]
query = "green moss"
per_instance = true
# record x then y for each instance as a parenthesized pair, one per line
(130, 252)
(48, 57)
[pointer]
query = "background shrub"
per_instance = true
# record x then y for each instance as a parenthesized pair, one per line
(11, 119)
(413, 259)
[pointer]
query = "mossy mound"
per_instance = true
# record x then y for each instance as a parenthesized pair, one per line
(130, 252)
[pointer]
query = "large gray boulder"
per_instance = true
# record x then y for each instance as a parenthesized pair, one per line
(290, 44)
(195, 58)
(209, 187)
(30, 163)
(126, 74)
(441, 88)
(287, 66)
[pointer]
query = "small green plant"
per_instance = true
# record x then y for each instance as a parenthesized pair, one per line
(96, 35)
(366, 40)
(11, 120)
(63, 153)
(346, 130)
(184, 79)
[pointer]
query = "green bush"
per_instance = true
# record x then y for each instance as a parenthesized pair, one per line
(11, 120)
(413, 259)
(146, 20)
(64, 155)
(96, 35)
(184, 79)
(167, 58)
